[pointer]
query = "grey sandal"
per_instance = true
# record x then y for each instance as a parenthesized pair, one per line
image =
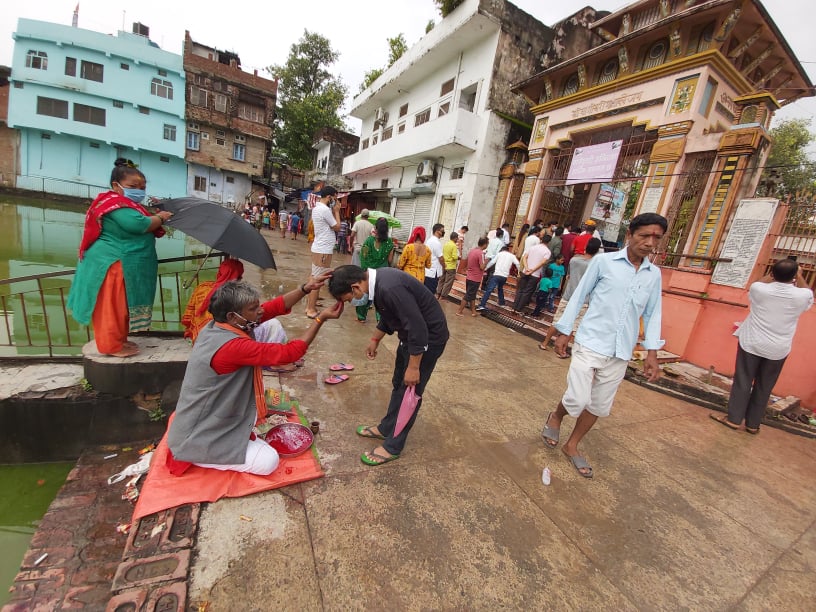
(550, 435)
(579, 463)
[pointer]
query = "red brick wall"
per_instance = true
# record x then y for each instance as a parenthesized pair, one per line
(9, 143)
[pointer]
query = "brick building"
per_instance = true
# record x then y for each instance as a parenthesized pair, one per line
(229, 123)
(8, 136)
(331, 146)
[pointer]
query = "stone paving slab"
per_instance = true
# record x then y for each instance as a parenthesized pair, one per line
(39, 378)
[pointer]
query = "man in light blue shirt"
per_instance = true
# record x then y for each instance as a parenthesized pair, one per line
(622, 287)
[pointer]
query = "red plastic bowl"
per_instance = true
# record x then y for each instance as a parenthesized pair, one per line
(290, 439)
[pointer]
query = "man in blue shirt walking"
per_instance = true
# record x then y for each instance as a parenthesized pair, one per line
(622, 287)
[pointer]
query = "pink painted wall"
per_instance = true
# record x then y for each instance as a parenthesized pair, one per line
(701, 332)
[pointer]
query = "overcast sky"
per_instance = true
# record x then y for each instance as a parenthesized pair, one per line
(262, 32)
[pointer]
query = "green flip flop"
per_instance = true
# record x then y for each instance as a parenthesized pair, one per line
(367, 431)
(382, 458)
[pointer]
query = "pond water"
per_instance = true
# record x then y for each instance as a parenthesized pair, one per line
(25, 494)
(39, 236)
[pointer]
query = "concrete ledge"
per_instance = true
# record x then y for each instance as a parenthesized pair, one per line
(160, 364)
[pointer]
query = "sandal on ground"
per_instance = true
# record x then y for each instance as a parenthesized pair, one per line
(373, 458)
(542, 347)
(752, 430)
(367, 431)
(722, 419)
(335, 379)
(550, 435)
(339, 367)
(579, 463)
(312, 315)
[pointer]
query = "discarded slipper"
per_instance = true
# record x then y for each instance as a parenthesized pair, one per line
(367, 431)
(372, 458)
(339, 367)
(721, 418)
(550, 435)
(579, 463)
(336, 379)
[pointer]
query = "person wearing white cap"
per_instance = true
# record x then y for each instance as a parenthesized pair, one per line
(359, 232)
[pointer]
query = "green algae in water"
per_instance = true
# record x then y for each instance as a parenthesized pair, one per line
(26, 491)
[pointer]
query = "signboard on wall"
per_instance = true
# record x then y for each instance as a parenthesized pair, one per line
(594, 164)
(609, 204)
(651, 200)
(748, 230)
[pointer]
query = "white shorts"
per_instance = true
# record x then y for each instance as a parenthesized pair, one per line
(321, 263)
(261, 459)
(592, 382)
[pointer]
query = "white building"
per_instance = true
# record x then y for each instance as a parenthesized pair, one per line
(436, 123)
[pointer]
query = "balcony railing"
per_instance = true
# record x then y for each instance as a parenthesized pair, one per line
(458, 131)
(34, 320)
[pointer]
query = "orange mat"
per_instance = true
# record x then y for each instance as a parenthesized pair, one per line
(161, 490)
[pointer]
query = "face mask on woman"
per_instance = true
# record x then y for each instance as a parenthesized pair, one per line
(134, 195)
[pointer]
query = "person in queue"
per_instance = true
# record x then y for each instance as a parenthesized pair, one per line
(115, 281)
(222, 394)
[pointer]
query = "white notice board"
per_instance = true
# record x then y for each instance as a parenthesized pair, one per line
(748, 230)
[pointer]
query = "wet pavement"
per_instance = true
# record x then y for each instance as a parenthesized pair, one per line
(682, 512)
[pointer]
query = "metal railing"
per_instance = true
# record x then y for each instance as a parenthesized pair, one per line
(34, 320)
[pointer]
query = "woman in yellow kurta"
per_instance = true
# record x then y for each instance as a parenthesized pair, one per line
(416, 256)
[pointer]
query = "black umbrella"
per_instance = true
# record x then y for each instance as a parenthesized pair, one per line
(219, 228)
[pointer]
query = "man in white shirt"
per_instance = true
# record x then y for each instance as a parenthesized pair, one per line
(506, 234)
(532, 264)
(326, 221)
(765, 339)
(532, 239)
(505, 260)
(493, 247)
(437, 268)
(359, 232)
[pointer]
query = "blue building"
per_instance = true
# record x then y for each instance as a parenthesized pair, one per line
(81, 99)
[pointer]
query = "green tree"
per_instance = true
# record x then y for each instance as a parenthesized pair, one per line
(369, 77)
(446, 7)
(396, 48)
(789, 168)
(430, 26)
(309, 98)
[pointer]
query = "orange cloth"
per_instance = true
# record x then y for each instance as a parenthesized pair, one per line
(110, 318)
(192, 321)
(161, 490)
(310, 232)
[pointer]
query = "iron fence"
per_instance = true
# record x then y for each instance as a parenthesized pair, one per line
(34, 320)
(797, 239)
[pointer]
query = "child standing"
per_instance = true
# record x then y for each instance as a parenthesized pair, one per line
(558, 272)
(543, 295)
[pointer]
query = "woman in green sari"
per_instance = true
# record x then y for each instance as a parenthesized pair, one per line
(377, 252)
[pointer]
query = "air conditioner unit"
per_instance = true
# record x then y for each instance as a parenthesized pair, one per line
(425, 169)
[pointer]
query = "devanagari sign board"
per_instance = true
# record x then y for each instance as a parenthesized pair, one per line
(748, 230)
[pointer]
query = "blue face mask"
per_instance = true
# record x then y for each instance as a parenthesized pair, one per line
(134, 195)
(359, 301)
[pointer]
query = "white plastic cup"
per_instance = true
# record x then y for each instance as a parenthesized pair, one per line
(546, 476)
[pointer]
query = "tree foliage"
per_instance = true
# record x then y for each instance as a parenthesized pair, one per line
(396, 49)
(309, 98)
(789, 161)
(446, 7)
(429, 26)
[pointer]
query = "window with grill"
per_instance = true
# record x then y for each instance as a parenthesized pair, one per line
(52, 107)
(387, 133)
(656, 54)
(124, 66)
(570, 84)
(400, 128)
(70, 66)
(220, 133)
(446, 88)
(230, 179)
(92, 71)
(251, 112)
(161, 88)
(444, 108)
(37, 60)
(89, 114)
(169, 132)
(609, 71)
(200, 183)
(144, 110)
(403, 110)
(194, 144)
(162, 73)
(94, 145)
(198, 96)
(375, 139)
(457, 172)
(164, 158)
(238, 152)
(221, 103)
(118, 104)
(384, 183)
(423, 117)
(364, 144)
(239, 138)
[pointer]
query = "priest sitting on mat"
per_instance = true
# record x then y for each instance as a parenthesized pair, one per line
(222, 395)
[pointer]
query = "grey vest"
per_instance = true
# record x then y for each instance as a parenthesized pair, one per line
(215, 413)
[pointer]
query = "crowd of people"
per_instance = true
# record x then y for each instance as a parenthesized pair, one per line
(610, 302)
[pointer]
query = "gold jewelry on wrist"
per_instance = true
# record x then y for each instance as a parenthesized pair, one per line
(318, 320)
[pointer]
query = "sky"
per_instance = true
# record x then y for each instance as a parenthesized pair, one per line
(263, 32)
